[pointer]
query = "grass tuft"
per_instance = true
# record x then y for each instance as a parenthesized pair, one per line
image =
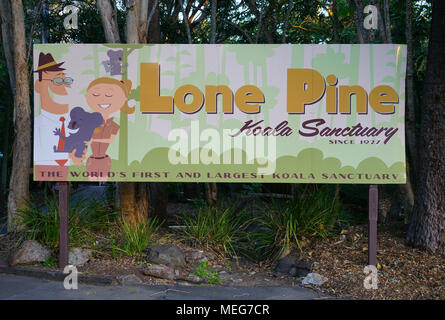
(284, 225)
(136, 237)
(41, 221)
(220, 230)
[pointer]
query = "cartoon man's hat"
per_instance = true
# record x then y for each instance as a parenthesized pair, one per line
(47, 61)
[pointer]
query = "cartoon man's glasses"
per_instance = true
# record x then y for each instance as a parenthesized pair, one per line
(60, 81)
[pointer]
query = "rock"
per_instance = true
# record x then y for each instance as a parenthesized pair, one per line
(194, 279)
(129, 280)
(293, 266)
(160, 271)
(302, 264)
(285, 264)
(315, 279)
(79, 256)
(197, 254)
(29, 251)
(169, 255)
(224, 276)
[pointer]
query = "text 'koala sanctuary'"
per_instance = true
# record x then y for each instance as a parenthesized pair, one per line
(304, 87)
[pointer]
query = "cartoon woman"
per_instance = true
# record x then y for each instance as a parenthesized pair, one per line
(106, 96)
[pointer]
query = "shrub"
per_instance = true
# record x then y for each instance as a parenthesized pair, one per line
(136, 237)
(41, 222)
(219, 229)
(283, 226)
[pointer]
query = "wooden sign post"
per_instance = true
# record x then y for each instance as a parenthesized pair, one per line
(64, 212)
(372, 231)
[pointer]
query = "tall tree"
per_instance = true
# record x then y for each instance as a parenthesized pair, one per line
(136, 200)
(19, 182)
(427, 229)
(108, 14)
(213, 21)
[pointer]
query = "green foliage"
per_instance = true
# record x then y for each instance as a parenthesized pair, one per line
(251, 188)
(136, 237)
(50, 262)
(41, 222)
(283, 226)
(204, 272)
(218, 229)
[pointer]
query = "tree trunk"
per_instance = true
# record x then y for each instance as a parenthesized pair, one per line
(157, 200)
(335, 24)
(8, 40)
(362, 35)
(154, 25)
(427, 229)
(192, 190)
(21, 152)
(213, 22)
(260, 16)
(211, 193)
(108, 16)
(186, 21)
(387, 21)
(140, 200)
(380, 22)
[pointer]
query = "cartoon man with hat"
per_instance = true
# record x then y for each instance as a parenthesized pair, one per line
(51, 80)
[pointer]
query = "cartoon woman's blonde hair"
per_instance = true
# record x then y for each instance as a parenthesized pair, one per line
(125, 85)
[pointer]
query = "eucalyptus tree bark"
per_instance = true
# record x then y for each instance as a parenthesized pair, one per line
(427, 229)
(133, 32)
(143, 23)
(108, 15)
(147, 11)
(21, 153)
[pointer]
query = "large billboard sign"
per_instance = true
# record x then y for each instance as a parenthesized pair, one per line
(220, 113)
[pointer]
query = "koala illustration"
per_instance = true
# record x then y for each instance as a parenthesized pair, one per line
(85, 122)
(114, 65)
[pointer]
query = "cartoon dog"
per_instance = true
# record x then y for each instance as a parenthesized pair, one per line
(85, 123)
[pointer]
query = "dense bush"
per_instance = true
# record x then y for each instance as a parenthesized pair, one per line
(41, 221)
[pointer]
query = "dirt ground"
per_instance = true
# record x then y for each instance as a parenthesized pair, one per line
(403, 272)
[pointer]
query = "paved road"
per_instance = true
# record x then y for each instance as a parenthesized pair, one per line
(14, 287)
